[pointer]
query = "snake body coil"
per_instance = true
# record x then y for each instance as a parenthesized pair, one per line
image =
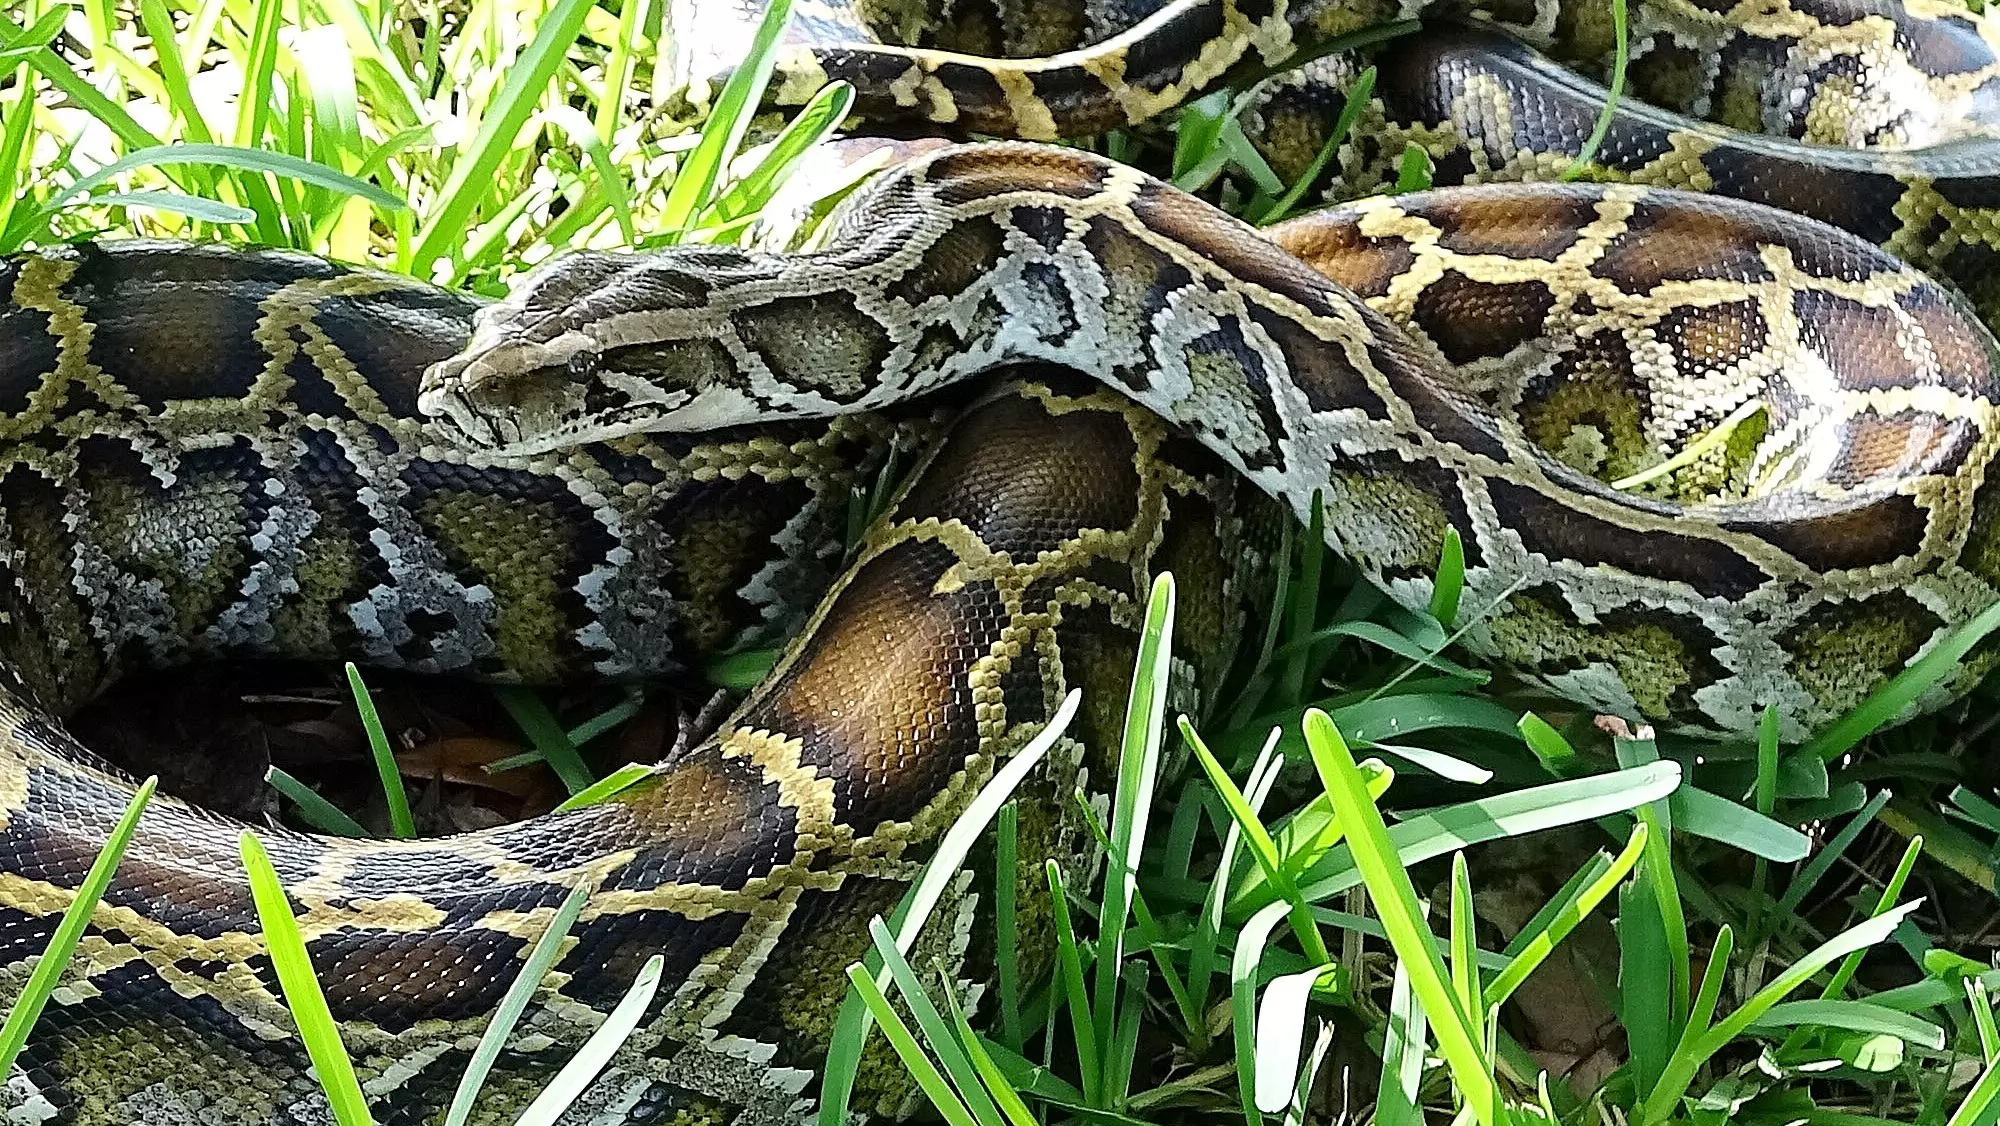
(638, 461)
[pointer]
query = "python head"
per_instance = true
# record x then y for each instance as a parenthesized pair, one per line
(590, 346)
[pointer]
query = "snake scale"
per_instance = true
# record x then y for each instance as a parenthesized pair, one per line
(637, 461)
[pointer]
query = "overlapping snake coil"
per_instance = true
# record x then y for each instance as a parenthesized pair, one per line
(638, 461)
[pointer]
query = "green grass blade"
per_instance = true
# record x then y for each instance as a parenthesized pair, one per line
(1983, 1023)
(472, 174)
(15, 122)
(608, 719)
(258, 61)
(1262, 847)
(695, 181)
(1707, 815)
(1982, 1104)
(632, 17)
(607, 787)
(1132, 800)
(194, 207)
(1657, 858)
(301, 988)
(1145, 925)
(937, 1032)
(1765, 799)
(1413, 172)
(259, 65)
(546, 735)
(320, 813)
(173, 74)
(1541, 938)
(610, 177)
(1302, 607)
(1853, 1016)
(1888, 701)
(1280, 1033)
(1548, 744)
(1892, 890)
(740, 672)
(1465, 982)
(576, 1075)
(1395, 901)
(540, 958)
(1356, 99)
(1075, 996)
(1644, 1009)
(1701, 1014)
(111, 114)
(1249, 954)
(1807, 879)
(1450, 583)
(1381, 636)
(69, 930)
(1621, 53)
(1121, 1056)
(1198, 153)
(230, 156)
(21, 46)
(816, 122)
(400, 821)
(851, 1026)
(1694, 451)
(1665, 1097)
(1442, 831)
(1404, 1037)
(1238, 151)
(929, 1079)
(995, 1079)
(1208, 927)
(1006, 951)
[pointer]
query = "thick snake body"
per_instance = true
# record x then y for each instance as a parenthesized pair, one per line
(1485, 107)
(1536, 314)
(300, 508)
(638, 461)
(1847, 73)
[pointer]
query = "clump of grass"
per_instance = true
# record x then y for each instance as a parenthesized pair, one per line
(1278, 920)
(371, 131)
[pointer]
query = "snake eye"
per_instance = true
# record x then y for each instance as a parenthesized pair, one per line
(582, 365)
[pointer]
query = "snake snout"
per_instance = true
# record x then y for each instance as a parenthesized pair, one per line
(454, 420)
(508, 392)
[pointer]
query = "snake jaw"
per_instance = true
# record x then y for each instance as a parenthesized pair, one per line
(502, 391)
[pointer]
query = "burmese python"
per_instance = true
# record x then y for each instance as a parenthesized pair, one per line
(215, 452)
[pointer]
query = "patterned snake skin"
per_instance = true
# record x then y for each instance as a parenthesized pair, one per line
(639, 461)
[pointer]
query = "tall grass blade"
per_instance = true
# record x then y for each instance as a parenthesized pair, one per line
(294, 968)
(597, 1051)
(540, 958)
(695, 181)
(1132, 801)
(400, 822)
(55, 956)
(851, 1026)
(471, 179)
(1395, 901)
